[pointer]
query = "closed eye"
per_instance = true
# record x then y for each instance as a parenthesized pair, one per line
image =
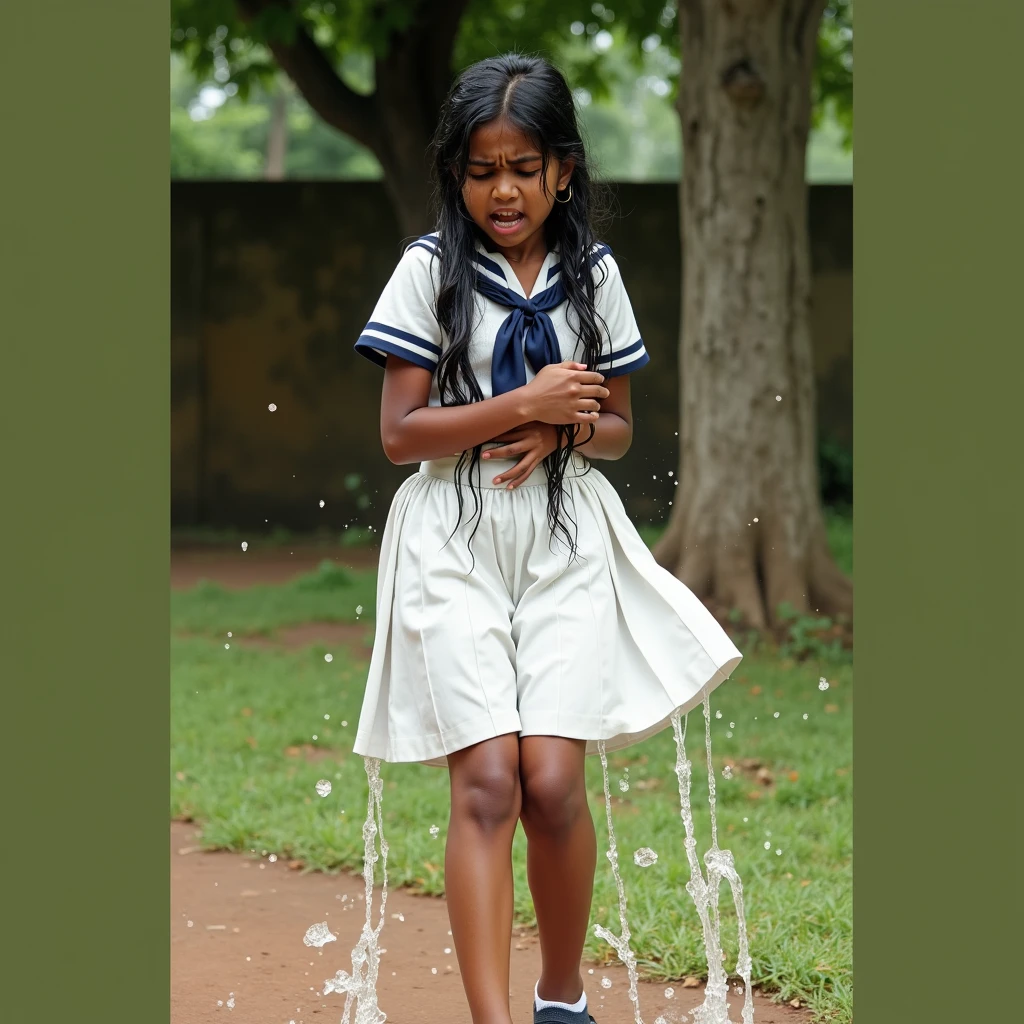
(522, 174)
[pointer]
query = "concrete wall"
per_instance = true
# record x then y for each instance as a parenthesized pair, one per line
(271, 284)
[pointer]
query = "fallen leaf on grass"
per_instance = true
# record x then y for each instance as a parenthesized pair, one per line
(292, 751)
(296, 865)
(755, 691)
(805, 881)
(180, 776)
(754, 794)
(842, 771)
(793, 776)
(691, 982)
(829, 708)
(247, 712)
(251, 740)
(429, 866)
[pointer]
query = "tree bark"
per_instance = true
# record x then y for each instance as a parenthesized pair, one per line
(277, 136)
(747, 530)
(395, 122)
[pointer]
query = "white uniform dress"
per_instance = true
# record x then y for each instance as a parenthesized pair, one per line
(516, 637)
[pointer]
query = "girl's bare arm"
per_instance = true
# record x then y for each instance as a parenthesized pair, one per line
(613, 430)
(413, 431)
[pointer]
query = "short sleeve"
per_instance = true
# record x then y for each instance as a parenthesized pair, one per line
(622, 348)
(403, 322)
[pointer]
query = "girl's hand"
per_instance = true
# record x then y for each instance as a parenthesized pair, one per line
(535, 441)
(565, 393)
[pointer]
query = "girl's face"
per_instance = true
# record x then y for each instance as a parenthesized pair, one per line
(504, 177)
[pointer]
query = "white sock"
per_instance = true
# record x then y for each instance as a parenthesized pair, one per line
(577, 1007)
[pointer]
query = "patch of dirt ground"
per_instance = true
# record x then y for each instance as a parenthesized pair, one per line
(236, 569)
(237, 924)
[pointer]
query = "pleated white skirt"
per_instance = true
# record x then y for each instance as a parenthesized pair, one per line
(515, 636)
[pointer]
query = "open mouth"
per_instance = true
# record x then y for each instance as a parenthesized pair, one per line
(506, 222)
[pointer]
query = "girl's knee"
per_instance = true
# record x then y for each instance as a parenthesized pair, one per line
(553, 798)
(487, 791)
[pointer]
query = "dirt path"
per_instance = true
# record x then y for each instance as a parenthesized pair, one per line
(236, 569)
(248, 918)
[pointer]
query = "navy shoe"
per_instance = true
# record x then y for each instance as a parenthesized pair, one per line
(558, 1015)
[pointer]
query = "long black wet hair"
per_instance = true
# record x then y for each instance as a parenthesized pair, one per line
(533, 95)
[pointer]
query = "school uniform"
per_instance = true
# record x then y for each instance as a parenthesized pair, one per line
(516, 637)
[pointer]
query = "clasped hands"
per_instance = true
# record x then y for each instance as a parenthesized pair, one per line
(563, 392)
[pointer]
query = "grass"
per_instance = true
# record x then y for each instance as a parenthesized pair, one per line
(245, 763)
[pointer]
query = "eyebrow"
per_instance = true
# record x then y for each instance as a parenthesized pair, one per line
(518, 160)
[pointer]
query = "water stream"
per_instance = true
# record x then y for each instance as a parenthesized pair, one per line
(360, 985)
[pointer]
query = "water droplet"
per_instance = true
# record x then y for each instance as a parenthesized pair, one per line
(321, 502)
(245, 545)
(227, 647)
(746, 819)
(606, 982)
(767, 845)
(718, 714)
(272, 407)
(732, 725)
(822, 683)
(447, 950)
(669, 992)
(433, 970)
(190, 924)
(624, 785)
(671, 472)
(645, 857)
(728, 733)
(319, 935)
(344, 724)
(805, 716)
(327, 718)
(359, 609)
(229, 634)
(272, 858)
(727, 772)
(778, 853)
(323, 787)
(755, 519)
(776, 715)
(328, 658)
(778, 398)
(591, 971)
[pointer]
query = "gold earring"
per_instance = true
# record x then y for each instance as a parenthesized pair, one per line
(567, 197)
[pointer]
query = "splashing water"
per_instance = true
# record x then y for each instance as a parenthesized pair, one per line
(704, 893)
(645, 857)
(359, 985)
(319, 935)
(619, 944)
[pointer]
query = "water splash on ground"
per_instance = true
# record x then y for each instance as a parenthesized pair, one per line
(704, 892)
(361, 984)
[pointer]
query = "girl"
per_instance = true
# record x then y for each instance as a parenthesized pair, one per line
(511, 639)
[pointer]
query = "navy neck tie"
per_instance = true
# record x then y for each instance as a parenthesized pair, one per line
(526, 331)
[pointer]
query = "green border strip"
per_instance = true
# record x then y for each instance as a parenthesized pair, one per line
(936, 267)
(84, 322)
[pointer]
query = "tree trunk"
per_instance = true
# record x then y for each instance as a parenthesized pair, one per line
(277, 137)
(747, 530)
(395, 122)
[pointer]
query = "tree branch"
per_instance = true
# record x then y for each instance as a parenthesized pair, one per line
(314, 76)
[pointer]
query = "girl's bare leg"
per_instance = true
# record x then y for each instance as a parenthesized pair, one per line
(561, 857)
(486, 802)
